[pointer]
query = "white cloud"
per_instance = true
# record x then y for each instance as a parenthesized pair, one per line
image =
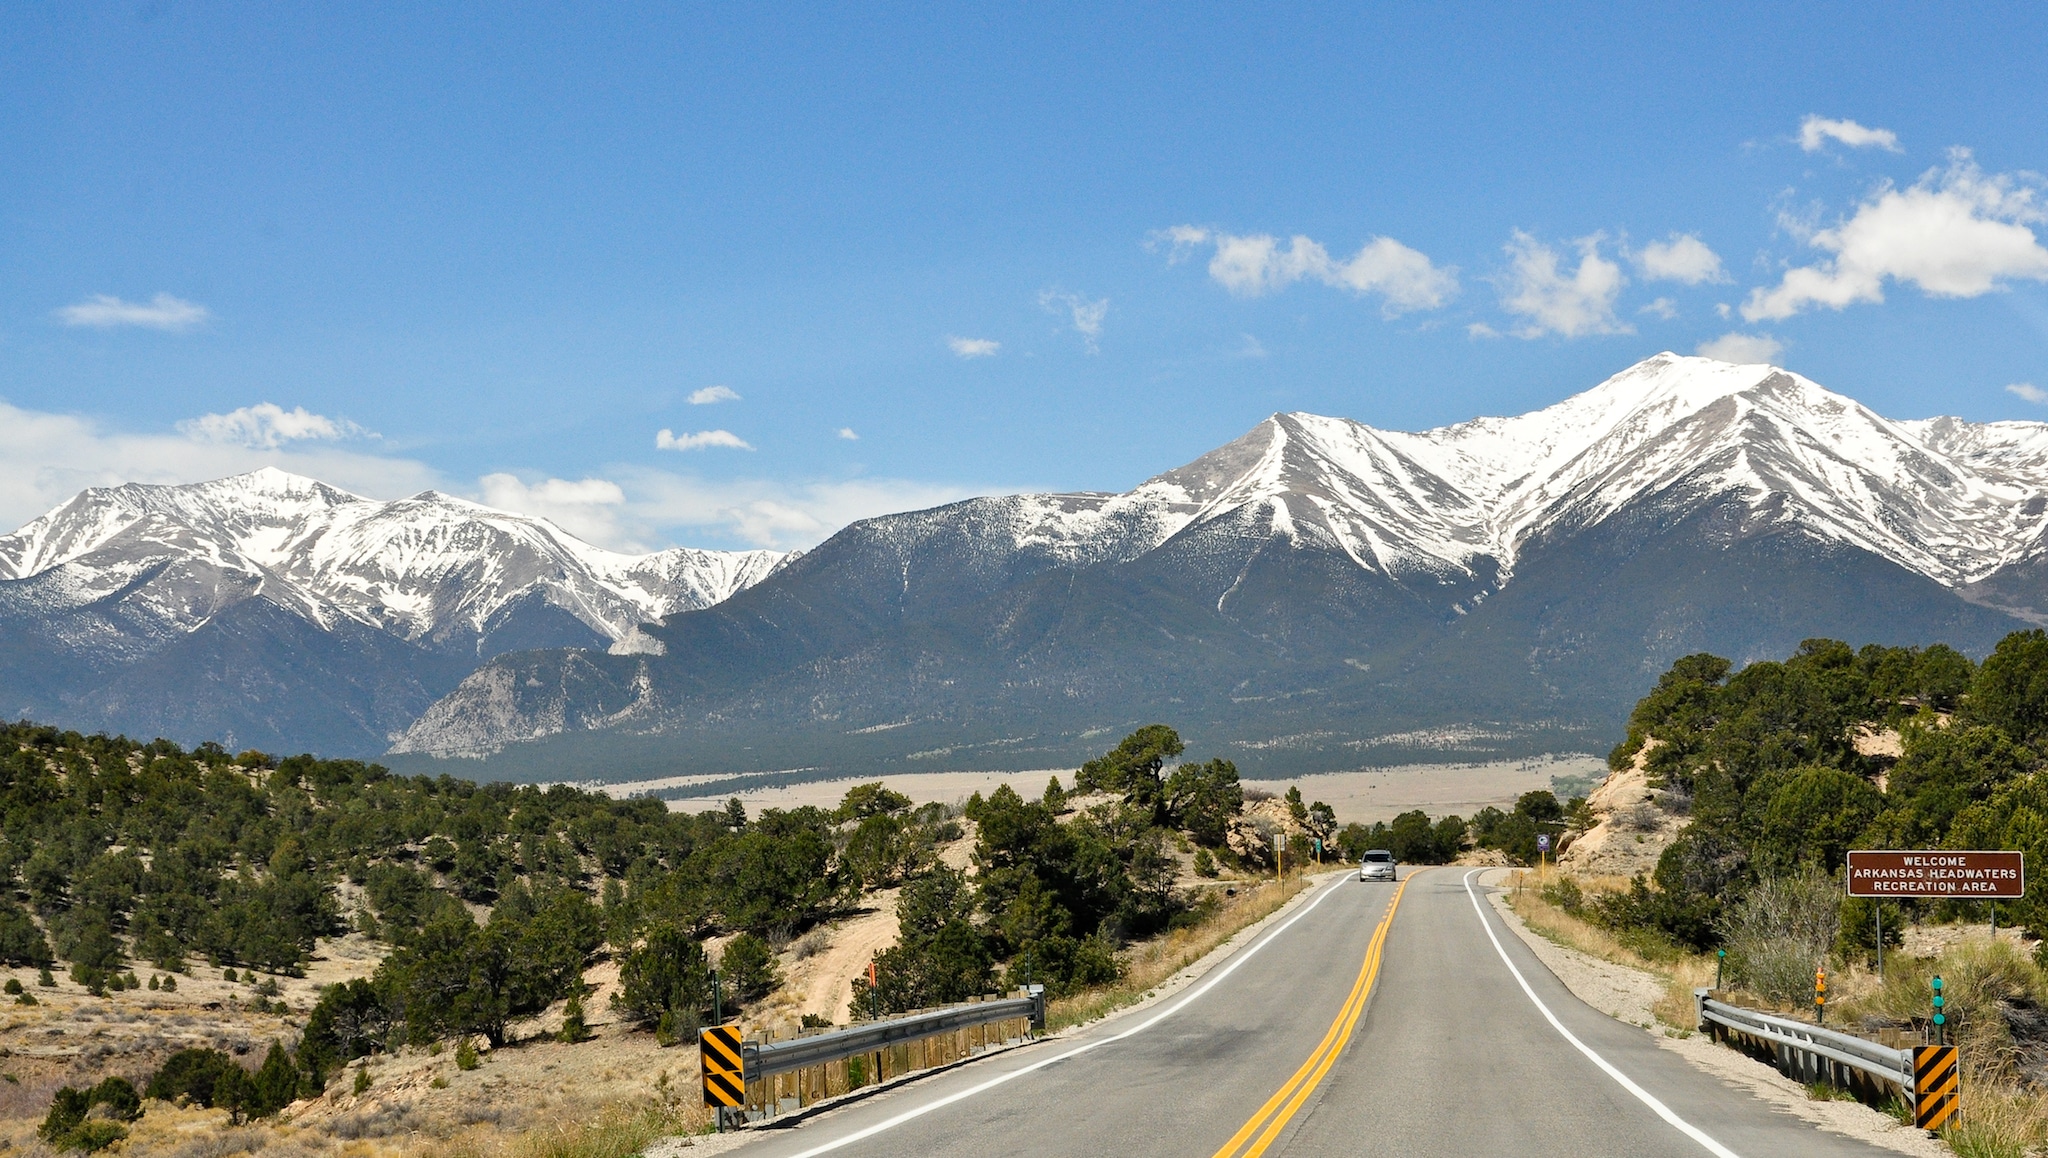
(711, 394)
(1682, 258)
(1534, 287)
(1180, 240)
(1663, 307)
(1742, 348)
(267, 426)
(639, 507)
(162, 312)
(1723, 310)
(1954, 233)
(1481, 330)
(47, 458)
(1817, 131)
(974, 347)
(846, 432)
(1251, 347)
(1251, 265)
(670, 440)
(765, 513)
(1085, 316)
(2028, 391)
(592, 509)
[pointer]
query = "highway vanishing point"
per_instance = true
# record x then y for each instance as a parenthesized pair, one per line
(1368, 1019)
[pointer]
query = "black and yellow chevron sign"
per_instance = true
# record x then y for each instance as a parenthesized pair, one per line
(1937, 1087)
(725, 1080)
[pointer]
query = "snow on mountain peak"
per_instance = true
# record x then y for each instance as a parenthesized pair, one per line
(414, 566)
(1949, 499)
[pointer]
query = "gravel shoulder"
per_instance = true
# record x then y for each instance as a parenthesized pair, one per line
(1628, 994)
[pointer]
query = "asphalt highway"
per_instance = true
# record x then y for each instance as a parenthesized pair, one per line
(1341, 1030)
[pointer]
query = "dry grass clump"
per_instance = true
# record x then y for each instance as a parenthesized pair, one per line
(1149, 963)
(618, 1132)
(1682, 973)
(1781, 931)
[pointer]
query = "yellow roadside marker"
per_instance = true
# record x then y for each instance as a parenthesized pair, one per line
(1936, 1086)
(725, 1082)
(1254, 1136)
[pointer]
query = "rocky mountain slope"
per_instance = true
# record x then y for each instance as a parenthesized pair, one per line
(270, 610)
(1322, 594)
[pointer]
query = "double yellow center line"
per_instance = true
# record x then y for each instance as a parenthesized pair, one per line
(1255, 1135)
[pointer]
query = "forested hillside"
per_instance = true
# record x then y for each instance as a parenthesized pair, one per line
(492, 901)
(1776, 766)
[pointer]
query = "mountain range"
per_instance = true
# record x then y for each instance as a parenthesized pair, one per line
(1321, 594)
(1317, 594)
(269, 610)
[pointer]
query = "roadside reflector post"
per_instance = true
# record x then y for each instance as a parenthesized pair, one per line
(1820, 996)
(1940, 1015)
(1720, 959)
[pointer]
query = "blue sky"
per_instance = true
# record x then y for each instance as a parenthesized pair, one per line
(932, 252)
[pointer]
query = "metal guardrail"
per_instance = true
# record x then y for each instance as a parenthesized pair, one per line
(1801, 1047)
(768, 1058)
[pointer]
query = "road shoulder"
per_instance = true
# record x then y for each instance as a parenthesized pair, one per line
(1627, 994)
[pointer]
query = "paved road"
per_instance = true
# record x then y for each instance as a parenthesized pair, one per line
(1449, 1055)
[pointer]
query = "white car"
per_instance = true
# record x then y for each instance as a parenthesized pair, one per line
(1378, 865)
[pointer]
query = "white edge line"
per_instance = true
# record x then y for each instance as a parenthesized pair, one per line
(936, 1103)
(1642, 1095)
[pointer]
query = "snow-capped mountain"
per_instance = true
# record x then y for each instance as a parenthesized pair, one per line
(1948, 499)
(418, 567)
(1318, 593)
(118, 574)
(1319, 586)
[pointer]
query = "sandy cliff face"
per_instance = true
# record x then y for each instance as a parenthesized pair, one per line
(1634, 829)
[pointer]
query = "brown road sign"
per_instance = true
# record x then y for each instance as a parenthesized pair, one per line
(1962, 875)
(1937, 1086)
(725, 1080)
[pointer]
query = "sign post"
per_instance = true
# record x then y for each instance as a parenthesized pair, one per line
(1542, 850)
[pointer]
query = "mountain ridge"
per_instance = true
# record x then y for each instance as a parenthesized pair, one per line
(1315, 593)
(1341, 576)
(420, 589)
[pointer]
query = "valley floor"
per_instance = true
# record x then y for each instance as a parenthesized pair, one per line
(1365, 796)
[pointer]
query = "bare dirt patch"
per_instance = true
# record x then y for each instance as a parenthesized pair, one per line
(1365, 795)
(921, 787)
(1376, 794)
